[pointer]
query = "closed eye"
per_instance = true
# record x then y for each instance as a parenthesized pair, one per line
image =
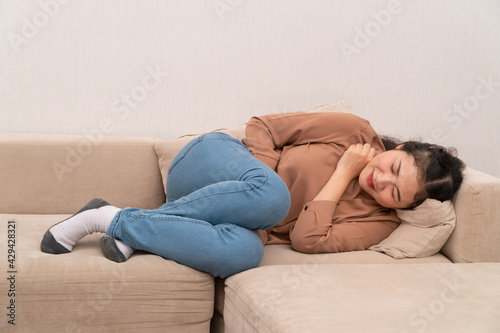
(397, 174)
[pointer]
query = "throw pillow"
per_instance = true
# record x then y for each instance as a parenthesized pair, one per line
(423, 231)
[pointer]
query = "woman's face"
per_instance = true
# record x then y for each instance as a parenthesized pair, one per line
(391, 179)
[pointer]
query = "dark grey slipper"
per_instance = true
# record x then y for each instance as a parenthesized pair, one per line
(111, 250)
(49, 243)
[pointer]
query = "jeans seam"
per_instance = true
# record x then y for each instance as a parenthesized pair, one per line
(210, 195)
(198, 140)
(185, 219)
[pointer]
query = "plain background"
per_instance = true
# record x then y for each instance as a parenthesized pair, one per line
(413, 68)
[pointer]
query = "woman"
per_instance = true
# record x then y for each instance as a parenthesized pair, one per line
(320, 181)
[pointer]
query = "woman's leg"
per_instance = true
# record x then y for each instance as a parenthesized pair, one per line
(216, 179)
(220, 191)
(221, 250)
(95, 216)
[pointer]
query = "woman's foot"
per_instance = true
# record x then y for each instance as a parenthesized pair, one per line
(95, 216)
(115, 250)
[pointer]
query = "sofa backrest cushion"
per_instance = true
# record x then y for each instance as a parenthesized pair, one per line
(58, 174)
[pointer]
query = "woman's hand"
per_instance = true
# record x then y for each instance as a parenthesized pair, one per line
(355, 158)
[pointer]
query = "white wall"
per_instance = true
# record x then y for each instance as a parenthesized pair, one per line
(413, 68)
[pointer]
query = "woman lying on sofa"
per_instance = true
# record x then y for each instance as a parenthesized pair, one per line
(322, 181)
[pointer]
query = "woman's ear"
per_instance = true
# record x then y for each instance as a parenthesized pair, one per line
(400, 146)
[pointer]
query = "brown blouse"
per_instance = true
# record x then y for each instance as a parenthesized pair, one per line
(304, 148)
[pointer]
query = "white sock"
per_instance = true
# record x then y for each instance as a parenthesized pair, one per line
(70, 231)
(124, 248)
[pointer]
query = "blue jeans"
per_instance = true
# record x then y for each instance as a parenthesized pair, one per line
(218, 195)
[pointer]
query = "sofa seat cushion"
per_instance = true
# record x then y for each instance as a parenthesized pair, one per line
(432, 297)
(285, 255)
(82, 291)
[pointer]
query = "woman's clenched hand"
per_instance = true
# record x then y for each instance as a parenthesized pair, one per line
(355, 158)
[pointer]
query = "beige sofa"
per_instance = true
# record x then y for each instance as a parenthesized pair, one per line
(47, 177)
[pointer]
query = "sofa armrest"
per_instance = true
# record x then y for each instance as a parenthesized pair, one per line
(476, 237)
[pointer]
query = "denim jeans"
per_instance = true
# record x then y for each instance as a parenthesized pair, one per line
(218, 195)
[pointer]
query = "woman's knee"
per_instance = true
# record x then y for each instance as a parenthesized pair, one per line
(276, 201)
(245, 253)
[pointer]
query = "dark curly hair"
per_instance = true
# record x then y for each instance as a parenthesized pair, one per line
(440, 171)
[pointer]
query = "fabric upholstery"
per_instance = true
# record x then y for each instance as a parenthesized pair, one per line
(476, 237)
(58, 174)
(285, 255)
(433, 297)
(422, 232)
(82, 291)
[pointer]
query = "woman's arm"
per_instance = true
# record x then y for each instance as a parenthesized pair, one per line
(343, 237)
